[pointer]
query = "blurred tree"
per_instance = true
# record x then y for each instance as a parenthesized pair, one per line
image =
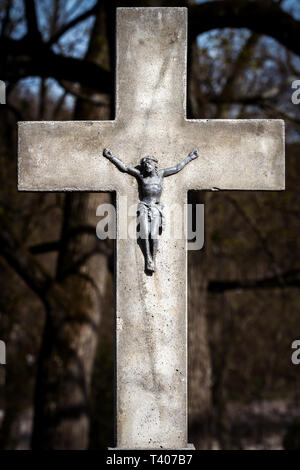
(67, 355)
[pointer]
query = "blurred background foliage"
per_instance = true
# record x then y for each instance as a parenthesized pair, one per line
(56, 303)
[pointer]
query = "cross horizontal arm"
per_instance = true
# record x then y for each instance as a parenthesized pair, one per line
(235, 154)
(66, 156)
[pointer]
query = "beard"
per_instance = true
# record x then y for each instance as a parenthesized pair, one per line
(148, 171)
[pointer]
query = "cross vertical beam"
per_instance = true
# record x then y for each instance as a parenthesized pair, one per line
(152, 310)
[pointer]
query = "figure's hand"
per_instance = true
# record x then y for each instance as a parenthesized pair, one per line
(107, 153)
(194, 154)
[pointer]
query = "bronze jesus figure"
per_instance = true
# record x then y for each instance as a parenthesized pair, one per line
(150, 214)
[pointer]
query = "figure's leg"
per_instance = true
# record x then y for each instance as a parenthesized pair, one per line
(154, 236)
(144, 236)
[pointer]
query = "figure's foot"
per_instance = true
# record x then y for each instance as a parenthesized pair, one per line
(150, 266)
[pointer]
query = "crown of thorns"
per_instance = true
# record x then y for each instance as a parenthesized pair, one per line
(153, 159)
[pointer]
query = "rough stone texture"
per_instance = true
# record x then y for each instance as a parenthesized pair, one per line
(151, 312)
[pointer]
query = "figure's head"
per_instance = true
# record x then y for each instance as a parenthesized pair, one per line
(148, 164)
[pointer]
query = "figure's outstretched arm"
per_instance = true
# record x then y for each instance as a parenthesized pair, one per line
(175, 169)
(119, 164)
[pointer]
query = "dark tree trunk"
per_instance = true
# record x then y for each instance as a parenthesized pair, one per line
(71, 331)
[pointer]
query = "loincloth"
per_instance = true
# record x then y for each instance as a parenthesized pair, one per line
(152, 210)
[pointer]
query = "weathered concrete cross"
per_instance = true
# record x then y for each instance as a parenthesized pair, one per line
(151, 312)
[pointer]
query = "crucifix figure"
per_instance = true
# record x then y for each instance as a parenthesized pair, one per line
(151, 311)
(150, 209)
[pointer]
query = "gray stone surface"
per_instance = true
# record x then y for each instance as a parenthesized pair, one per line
(151, 312)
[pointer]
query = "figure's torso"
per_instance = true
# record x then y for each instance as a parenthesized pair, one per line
(151, 188)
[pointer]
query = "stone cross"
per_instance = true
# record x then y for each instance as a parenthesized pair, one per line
(151, 311)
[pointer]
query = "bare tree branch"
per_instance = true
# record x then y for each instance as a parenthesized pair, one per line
(237, 73)
(31, 19)
(23, 58)
(260, 236)
(71, 89)
(262, 17)
(23, 262)
(6, 18)
(259, 101)
(59, 105)
(46, 247)
(291, 279)
(71, 24)
(55, 245)
(17, 113)
(27, 57)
